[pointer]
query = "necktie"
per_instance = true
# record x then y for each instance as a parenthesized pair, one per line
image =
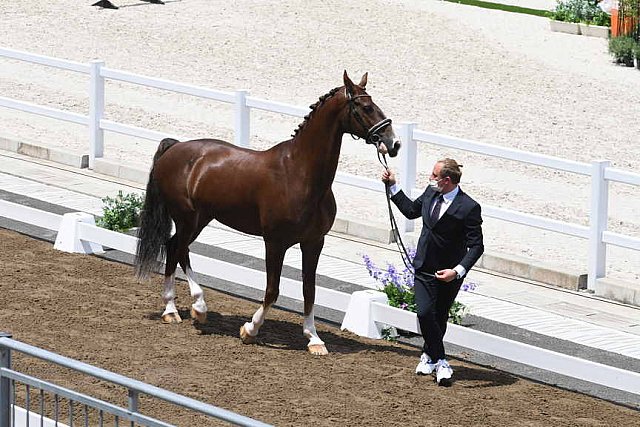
(435, 213)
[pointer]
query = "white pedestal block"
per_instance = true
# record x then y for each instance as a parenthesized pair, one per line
(358, 316)
(68, 239)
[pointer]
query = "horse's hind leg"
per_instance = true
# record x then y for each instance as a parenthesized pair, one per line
(310, 255)
(199, 307)
(190, 228)
(170, 314)
(187, 230)
(274, 258)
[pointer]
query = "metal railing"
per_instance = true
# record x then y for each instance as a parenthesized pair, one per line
(130, 414)
(600, 171)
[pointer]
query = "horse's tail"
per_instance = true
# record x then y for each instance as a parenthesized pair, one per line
(155, 222)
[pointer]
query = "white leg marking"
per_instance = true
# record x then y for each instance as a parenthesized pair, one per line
(309, 330)
(257, 320)
(169, 295)
(196, 293)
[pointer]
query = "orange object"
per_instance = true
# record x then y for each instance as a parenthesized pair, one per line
(628, 25)
(624, 28)
(615, 27)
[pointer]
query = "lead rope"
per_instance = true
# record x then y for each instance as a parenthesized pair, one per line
(404, 254)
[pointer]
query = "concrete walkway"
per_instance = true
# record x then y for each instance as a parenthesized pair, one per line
(576, 317)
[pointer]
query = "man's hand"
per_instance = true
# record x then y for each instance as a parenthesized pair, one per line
(388, 177)
(446, 275)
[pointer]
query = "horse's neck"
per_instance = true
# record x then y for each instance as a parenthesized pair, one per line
(316, 147)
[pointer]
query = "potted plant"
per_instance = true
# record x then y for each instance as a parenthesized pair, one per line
(398, 286)
(622, 50)
(565, 17)
(580, 17)
(122, 212)
(596, 22)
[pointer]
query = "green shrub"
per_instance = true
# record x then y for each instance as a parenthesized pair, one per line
(600, 18)
(622, 49)
(585, 11)
(121, 212)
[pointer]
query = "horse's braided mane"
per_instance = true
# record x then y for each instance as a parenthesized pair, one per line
(314, 107)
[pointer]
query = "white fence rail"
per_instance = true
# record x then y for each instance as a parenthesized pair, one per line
(596, 373)
(601, 172)
(526, 354)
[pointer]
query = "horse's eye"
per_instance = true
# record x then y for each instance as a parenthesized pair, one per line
(368, 109)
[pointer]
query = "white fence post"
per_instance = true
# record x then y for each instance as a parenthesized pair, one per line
(358, 318)
(242, 119)
(96, 111)
(408, 159)
(598, 223)
(68, 238)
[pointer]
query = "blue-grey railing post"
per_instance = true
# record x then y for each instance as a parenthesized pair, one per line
(5, 384)
(133, 402)
(598, 223)
(408, 160)
(96, 111)
(242, 119)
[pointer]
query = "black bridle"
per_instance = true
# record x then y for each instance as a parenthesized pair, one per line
(373, 137)
(397, 237)
(372, 134)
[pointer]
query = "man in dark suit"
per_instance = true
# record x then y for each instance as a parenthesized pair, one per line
(450, 244)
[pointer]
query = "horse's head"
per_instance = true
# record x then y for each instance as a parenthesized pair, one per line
(366, 120)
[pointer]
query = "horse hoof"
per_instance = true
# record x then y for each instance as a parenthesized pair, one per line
(318, 349)
(245, 337)
(199, 317)
(171, 318)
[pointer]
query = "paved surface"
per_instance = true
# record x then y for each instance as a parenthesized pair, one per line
(572, 322)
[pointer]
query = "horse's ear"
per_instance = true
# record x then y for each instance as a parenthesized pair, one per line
(363, 81)
(348, 84)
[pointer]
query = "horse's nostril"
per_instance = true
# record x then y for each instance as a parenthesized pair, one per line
(395, 148)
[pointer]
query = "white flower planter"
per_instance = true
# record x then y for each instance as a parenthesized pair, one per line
(579, 28)
(564, 27)
(594, 31)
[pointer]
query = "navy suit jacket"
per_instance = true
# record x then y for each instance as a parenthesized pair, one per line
(456, 238)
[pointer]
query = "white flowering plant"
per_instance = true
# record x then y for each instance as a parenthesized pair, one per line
(586, 11)
(121, 212)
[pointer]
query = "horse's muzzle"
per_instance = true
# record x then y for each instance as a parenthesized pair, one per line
(389, 146)
(382, 135)
(395, 147)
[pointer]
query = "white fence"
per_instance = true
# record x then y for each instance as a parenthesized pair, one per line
(375, 314)
(601, 172)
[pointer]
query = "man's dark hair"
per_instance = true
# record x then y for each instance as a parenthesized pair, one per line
(450, 168)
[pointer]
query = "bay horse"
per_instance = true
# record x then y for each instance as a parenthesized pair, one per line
(282, 194)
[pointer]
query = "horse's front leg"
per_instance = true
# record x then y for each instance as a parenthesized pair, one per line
(274, 258)
(310, 255)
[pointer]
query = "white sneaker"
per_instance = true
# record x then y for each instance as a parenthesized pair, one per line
(426, 366)
(443, 373)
